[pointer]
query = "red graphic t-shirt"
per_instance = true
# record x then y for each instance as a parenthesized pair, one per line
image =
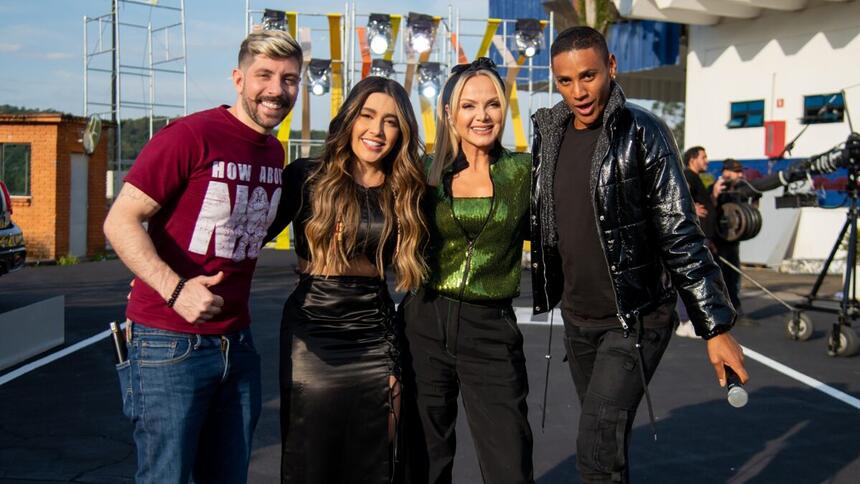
(218, 183)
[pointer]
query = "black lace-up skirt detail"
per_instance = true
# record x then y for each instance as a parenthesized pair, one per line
(338, 349)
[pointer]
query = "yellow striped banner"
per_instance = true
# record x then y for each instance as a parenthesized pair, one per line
(492, 26)
(395, 29)
(336, 62)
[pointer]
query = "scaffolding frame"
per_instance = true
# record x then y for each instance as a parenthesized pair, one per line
(167, 61)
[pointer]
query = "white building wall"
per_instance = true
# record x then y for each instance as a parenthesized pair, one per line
(779, 55)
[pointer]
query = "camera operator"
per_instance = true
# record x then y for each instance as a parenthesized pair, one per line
(696, 163)
(721, 193)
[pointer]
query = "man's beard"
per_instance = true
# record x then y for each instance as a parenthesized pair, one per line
(252, 113)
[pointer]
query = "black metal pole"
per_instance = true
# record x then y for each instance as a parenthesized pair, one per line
(851, 260)
(820, 279)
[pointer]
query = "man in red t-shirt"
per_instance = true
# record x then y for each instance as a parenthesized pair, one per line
(208, 185)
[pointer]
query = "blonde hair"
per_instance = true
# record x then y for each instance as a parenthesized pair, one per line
(276, 44)
(331, 230)
(447, 140)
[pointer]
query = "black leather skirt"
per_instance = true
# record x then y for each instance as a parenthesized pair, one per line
(338, 349)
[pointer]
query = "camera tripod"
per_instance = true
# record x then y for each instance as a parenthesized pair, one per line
(842, 340)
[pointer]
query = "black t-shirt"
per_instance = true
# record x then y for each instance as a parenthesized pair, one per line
(702, 195)
(588, 299)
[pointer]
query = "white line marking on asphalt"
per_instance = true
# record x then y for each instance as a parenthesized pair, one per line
(524, 317)
(54, 356)
(812, 382)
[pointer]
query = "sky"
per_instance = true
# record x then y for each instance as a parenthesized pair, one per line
(41, 48)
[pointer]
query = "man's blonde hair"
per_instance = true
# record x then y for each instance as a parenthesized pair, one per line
(276, 44)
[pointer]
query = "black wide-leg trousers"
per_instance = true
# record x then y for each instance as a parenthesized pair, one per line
(476, 350)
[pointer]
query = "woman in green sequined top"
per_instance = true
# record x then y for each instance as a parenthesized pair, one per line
(460, 327)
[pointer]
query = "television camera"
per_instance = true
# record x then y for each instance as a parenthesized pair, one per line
(740, 220)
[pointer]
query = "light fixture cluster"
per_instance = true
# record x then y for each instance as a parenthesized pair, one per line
(528, 37)
(382, 68)
(379, 32)
(418, 39)
(429, 79)
(274, 20)
(319, 76)
(419, 33)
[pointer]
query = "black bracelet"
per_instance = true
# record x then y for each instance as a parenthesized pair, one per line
(179, 286)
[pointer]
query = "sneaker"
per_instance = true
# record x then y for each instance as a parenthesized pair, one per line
(686, 330)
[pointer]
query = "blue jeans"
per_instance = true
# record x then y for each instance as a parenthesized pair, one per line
(194, 401)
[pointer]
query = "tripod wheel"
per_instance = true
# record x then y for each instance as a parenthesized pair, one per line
(848, 342)
(799, 327)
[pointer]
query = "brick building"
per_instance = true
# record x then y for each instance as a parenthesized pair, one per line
(58, 191)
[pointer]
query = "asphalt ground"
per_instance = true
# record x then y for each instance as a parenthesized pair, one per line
(63, 422)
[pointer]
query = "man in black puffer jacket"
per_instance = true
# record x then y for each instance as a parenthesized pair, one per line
(614, 236)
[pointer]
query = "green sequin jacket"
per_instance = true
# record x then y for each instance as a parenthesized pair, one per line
(488, 267)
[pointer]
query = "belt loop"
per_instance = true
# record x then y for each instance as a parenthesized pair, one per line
(128, 325)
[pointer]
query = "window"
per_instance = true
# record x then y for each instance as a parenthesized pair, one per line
(15, 168)
(823, 108)
(747, 114)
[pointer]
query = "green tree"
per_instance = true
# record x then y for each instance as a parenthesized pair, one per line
(597, 14)
(9, 109)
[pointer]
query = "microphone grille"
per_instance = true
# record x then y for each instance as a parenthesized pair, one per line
(737, 397)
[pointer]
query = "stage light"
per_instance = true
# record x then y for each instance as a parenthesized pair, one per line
(379, 32)
(319, 76)
(428, 79)
(274, 20)
(419, 33)
(382, 68)
(528, 36)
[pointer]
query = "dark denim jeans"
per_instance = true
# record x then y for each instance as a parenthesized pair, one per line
(604, 366)
(194, 401)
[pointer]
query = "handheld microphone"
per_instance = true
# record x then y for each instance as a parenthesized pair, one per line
(118, 343)
(736, 394)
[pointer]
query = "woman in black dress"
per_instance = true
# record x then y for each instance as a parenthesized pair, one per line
(355, 212)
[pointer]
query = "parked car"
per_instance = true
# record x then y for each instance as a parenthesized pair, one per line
(12, 250)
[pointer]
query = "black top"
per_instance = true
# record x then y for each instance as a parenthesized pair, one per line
(587, 298)
(295, 206)
(702, 195)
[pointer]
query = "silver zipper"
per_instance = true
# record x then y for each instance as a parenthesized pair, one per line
(466, 267)
(603, 245)
(543, 251)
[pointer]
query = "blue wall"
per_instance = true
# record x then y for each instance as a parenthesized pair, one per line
(644, 44)
(513, 9)
(638, 44)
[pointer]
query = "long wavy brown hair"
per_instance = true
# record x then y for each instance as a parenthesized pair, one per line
(332, 228)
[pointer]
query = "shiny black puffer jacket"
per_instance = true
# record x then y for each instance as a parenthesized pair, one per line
(647, 224)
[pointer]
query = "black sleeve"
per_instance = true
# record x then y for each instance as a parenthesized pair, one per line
(682, 243)
(291, 197)
(691, 183)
